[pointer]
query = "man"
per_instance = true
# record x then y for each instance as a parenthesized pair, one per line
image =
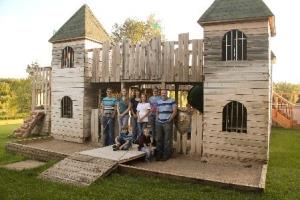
(108, 110)
(152, 117)
(166, 111)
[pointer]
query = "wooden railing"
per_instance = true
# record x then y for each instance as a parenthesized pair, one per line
(282, 111)
(153, 61)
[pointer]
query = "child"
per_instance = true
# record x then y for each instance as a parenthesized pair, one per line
(144, 142)
(124, 140)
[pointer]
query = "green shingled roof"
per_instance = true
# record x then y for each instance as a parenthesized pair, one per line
(232, 10)
(82, 25)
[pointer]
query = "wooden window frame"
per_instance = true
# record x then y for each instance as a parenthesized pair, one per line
(66, 107)
(234, 118)
(67, 57)
(234, 46)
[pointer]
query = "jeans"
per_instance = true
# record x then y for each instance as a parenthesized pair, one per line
(164, 132)
(108, 130)
(148, 152)
(152, 119)
(134, 127)
(141, 126)
(123, 121)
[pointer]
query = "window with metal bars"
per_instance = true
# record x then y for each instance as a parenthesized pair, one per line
(234, 117)
(67, 58)
(234, 46)
(66, 107)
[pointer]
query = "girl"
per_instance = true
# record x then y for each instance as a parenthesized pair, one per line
(143, 111)
(123, 108)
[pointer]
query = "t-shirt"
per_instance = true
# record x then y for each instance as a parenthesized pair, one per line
(122, 105)
(143, 108)
(109, 104)
(126, 136)
(153, 103)
(144, 140)
(165, 109)
(134, 104)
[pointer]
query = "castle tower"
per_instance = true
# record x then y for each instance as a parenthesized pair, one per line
(72, 93)
(238, 79)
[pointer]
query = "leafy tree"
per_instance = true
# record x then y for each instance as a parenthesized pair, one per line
(137, 30)
(288, 90)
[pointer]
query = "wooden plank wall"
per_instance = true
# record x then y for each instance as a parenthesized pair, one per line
(245, 81)
(152, 61)
(41, 95)
(68, 82)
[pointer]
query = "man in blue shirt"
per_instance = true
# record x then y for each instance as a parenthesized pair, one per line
(166, 111)
(108, 110)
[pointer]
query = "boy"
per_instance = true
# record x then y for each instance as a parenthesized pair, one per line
(124, 140)
(144, 142)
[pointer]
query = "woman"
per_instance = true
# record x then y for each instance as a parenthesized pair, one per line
(143, 111)
(135, 100)
(123, 108)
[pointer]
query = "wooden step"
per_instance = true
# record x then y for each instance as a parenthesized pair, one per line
(79, 170)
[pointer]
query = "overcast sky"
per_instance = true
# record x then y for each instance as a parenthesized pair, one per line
(26, 26)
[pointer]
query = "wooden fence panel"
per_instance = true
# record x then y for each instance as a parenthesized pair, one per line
(149, 61)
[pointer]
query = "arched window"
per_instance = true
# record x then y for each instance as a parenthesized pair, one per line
(67, 58)
(234, 117)
(66, 107)
(234, 46)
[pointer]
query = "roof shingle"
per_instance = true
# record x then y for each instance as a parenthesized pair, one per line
(232, 10)
(82, 25)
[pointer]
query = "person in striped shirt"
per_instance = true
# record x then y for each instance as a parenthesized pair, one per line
(108, 110)
(166, 111)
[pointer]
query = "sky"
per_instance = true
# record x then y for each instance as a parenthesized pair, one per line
(27, 25)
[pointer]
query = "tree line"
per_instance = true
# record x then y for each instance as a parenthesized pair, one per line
(15, 98)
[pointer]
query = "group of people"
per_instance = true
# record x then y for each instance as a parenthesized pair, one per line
(146, 122)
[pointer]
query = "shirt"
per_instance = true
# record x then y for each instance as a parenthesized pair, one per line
(126, 136)
(165, 109)
(153, 103)
(144, 140)
(134, 104)
(143, 108)
(109, 104)
(122, 105)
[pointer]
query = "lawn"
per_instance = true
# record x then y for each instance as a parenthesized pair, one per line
(283, 179)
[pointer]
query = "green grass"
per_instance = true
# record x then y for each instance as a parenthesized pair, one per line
(283, 179)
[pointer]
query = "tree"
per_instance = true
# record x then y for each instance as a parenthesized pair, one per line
(288, 90)
(137, 30)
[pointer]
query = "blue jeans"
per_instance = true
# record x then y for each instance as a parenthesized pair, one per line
(108, 130)
(164, 134)
(134, 126)
(148, 152)
(123, 121)
(141, 126)
(152, 119)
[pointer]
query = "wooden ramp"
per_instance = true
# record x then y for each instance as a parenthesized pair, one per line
(117, 156)
(83, 168)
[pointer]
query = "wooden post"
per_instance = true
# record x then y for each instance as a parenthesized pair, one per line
(95, 126)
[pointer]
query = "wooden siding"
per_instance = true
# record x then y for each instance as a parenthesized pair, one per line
(247, 82)
(156, 61)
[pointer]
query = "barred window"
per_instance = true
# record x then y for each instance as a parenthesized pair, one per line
(234, 117)
(66, 107)
(234, 46)
(67, 58)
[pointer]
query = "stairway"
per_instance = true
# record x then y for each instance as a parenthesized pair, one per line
(282, 111)
(29, 124)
